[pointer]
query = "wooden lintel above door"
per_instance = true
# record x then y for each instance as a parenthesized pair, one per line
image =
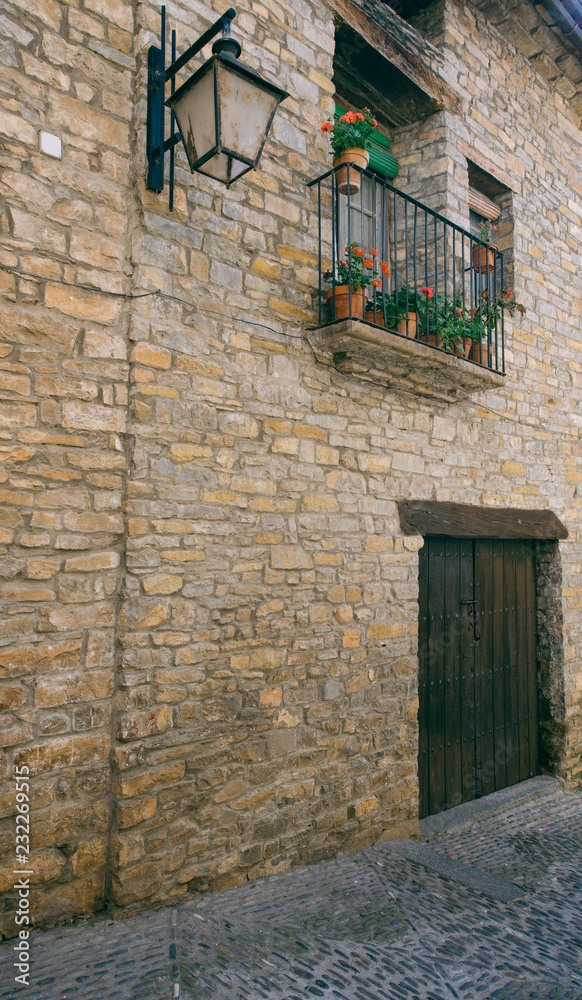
(430, 517)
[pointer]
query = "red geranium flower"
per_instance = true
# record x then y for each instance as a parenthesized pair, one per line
(427, 291)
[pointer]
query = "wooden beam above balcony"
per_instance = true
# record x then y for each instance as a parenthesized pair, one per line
(386, 62)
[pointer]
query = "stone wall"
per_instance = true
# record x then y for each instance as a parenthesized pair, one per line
(209, 655)
(64, 379)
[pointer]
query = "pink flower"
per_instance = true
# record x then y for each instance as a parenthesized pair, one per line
(427, 291)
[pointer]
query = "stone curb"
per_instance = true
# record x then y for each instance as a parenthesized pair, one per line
(489, 885)
(468, 811)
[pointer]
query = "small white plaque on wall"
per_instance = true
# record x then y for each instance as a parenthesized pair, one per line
(51, 145)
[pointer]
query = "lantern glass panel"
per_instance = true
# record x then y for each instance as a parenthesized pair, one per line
(196, 118)
(223, 168)
(245, 112)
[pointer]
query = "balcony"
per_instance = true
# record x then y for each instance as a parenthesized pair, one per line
(406, 297)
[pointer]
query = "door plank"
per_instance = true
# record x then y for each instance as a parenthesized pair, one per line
(497, 656)
(484, 710)
(452, 688)
(531, 659)
(509, 664)
(423, 724)
(436, 722)
(467, 667)
(521, 660)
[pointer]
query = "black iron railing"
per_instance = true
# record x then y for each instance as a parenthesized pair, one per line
(387, 259)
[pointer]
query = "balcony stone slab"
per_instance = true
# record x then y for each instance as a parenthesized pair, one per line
(359, 348)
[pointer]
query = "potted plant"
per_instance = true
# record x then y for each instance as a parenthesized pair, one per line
(457, 328)
(402, 310)
(358, 271)
(412, 308)
(484, 319)
(349, 136)
(380, 307)
(484, 256)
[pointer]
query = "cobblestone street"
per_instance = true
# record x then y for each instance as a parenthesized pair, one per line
(378, 925)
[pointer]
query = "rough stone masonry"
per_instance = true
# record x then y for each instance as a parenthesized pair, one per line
(209, 611)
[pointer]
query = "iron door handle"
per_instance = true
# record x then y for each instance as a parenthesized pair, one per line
(474, 616)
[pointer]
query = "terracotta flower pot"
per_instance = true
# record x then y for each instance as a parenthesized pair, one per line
(484, 257)
(477, 352)
(431, 338)
(341, 294)
(377, 318)
(408, 326)
(361, 158)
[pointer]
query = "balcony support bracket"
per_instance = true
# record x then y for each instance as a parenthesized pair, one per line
(400, 363)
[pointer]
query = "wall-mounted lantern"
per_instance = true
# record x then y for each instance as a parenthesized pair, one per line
(224, 110)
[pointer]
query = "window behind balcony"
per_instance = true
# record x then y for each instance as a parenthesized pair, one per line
(490, 199)
(369, 209)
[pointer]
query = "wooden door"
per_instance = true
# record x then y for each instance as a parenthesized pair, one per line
(478, 728)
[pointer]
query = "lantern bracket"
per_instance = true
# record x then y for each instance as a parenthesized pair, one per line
(156, 143)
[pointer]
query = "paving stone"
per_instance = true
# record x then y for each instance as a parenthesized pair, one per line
(370, 926)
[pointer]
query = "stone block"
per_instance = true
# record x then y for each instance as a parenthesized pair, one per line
(267, 658)
(83, 416)
(150, 780)
(89, 855)
(83, 688)
(136, 883)
(232, 790)
(290, 557)
(63, 752)
(14, 415)
(81, 304)
(151, 356)
(162, 584)
(271, 697)
(365, 806)
(131, 815)
(99, 344)
(92, 562)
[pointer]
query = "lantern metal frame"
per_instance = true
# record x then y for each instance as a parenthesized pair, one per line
(226, 51)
